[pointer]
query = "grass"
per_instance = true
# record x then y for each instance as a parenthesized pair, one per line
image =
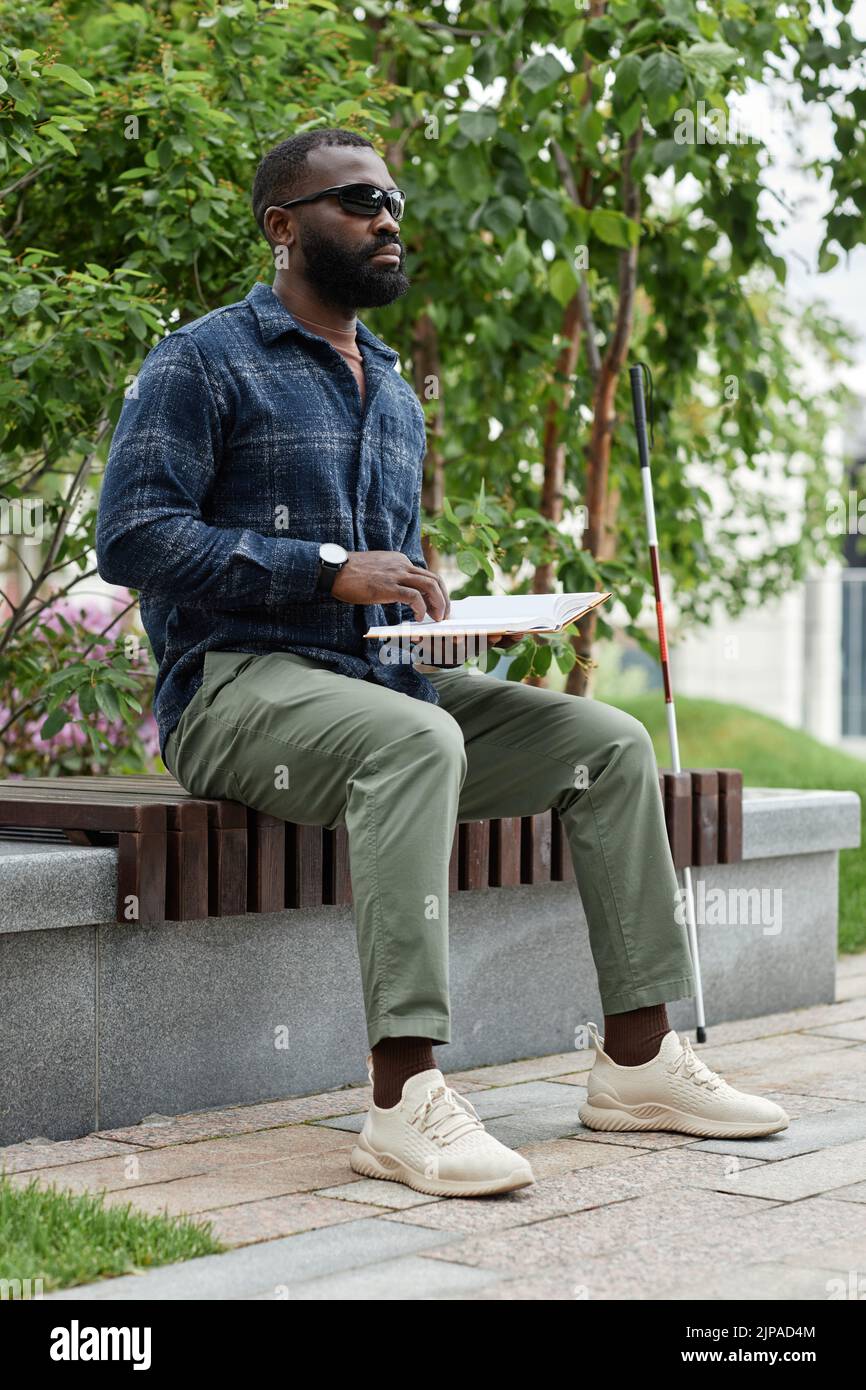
(65, 1239)
(771, 754)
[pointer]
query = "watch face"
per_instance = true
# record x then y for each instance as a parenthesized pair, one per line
(333, 554)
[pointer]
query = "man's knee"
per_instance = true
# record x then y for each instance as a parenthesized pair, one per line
(628, 735)
(428, 733)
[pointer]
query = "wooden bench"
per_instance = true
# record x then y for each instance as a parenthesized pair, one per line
(183, 859)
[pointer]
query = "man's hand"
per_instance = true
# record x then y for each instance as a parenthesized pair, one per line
(497, 639)
(388, 576)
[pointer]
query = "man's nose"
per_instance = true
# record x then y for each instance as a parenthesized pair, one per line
(384, 222)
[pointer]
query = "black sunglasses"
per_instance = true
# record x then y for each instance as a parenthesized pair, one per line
(363, 198)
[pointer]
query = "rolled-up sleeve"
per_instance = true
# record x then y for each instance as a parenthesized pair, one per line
(150, 531)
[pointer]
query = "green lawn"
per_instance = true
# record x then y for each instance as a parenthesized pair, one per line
(66, 1239)
(771, 755)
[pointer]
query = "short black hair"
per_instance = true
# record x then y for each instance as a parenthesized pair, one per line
(279, 176)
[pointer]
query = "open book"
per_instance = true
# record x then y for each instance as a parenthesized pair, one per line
(505, 613)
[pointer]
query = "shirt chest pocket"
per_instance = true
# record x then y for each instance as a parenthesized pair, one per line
(398, 468)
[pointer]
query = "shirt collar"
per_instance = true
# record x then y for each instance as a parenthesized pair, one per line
(274, 319)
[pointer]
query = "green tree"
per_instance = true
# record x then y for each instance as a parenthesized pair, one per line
(546, 251)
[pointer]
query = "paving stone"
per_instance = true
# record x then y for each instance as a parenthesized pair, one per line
(393, 1195)
(758, 1055)
(841, 1073)
(132, 1168)
(20, 1158)
(791, 1021)
(230, 1186)
(843, 1245)
(272, 1267)
(854, 1029)
(408, 1279)
(562, 1193)
(564, 1156)
(245, 1119)
(645, 1139)
(807, 1134)
(851, 987)
(851, 963)
(777, 1282)
(281, 1216)
(534, 1126)
(541, 1109)
(531, 1095)
(529, 1069)
(839, 1089)
(673, 1255)
(855, 1193)
(615, 1227)
(349, 1124)
(806, 1175)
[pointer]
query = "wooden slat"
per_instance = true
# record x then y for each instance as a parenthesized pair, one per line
(474, 855)
(266, 862)
(227, 870)
(336, 870)
(141, 867)
(81, 813)
(705, 816)
(561, 863)
(678, 816)
(535, 848)
(186, 889)
(730, 815)
(304, 865)
(505, 852)
(454, 863)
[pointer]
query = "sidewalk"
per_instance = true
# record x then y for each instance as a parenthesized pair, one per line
(653, 1216)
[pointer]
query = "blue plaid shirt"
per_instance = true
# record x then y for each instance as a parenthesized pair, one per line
(241, 448)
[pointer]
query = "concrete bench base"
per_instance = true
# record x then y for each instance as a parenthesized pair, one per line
(106, 1024)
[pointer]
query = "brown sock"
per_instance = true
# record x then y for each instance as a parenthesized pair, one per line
(635, 1037)
(394, 1061)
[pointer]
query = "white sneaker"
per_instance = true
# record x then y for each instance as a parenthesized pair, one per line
(434, 1141)
(673, 1091)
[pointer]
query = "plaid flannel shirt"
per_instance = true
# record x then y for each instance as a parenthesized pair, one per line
(241, 447)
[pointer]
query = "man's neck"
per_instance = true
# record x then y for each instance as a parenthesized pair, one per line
(301, 301)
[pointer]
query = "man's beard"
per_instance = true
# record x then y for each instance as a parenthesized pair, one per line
(349, 279)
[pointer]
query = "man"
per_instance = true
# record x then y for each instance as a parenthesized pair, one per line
(263, 495)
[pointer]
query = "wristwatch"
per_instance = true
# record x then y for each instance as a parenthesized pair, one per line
(332, 558)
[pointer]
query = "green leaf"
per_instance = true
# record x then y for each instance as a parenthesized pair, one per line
(71, 77)
(542, 659)
(661, 74)
(478, 126)
(563, 282)
(58, 137)
(541, 71)
(468, 561)
(26, 300)
(520, 666)
(136, 323)
(502, 215)
(627, 79)
(54, 723)
(546, 219)
(106, 698)
(613, 228)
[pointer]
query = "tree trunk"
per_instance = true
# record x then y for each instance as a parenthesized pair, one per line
(427, 368)
(553, 454)
(600, 535)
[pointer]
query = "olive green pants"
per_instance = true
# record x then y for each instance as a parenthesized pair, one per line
(291, 737)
